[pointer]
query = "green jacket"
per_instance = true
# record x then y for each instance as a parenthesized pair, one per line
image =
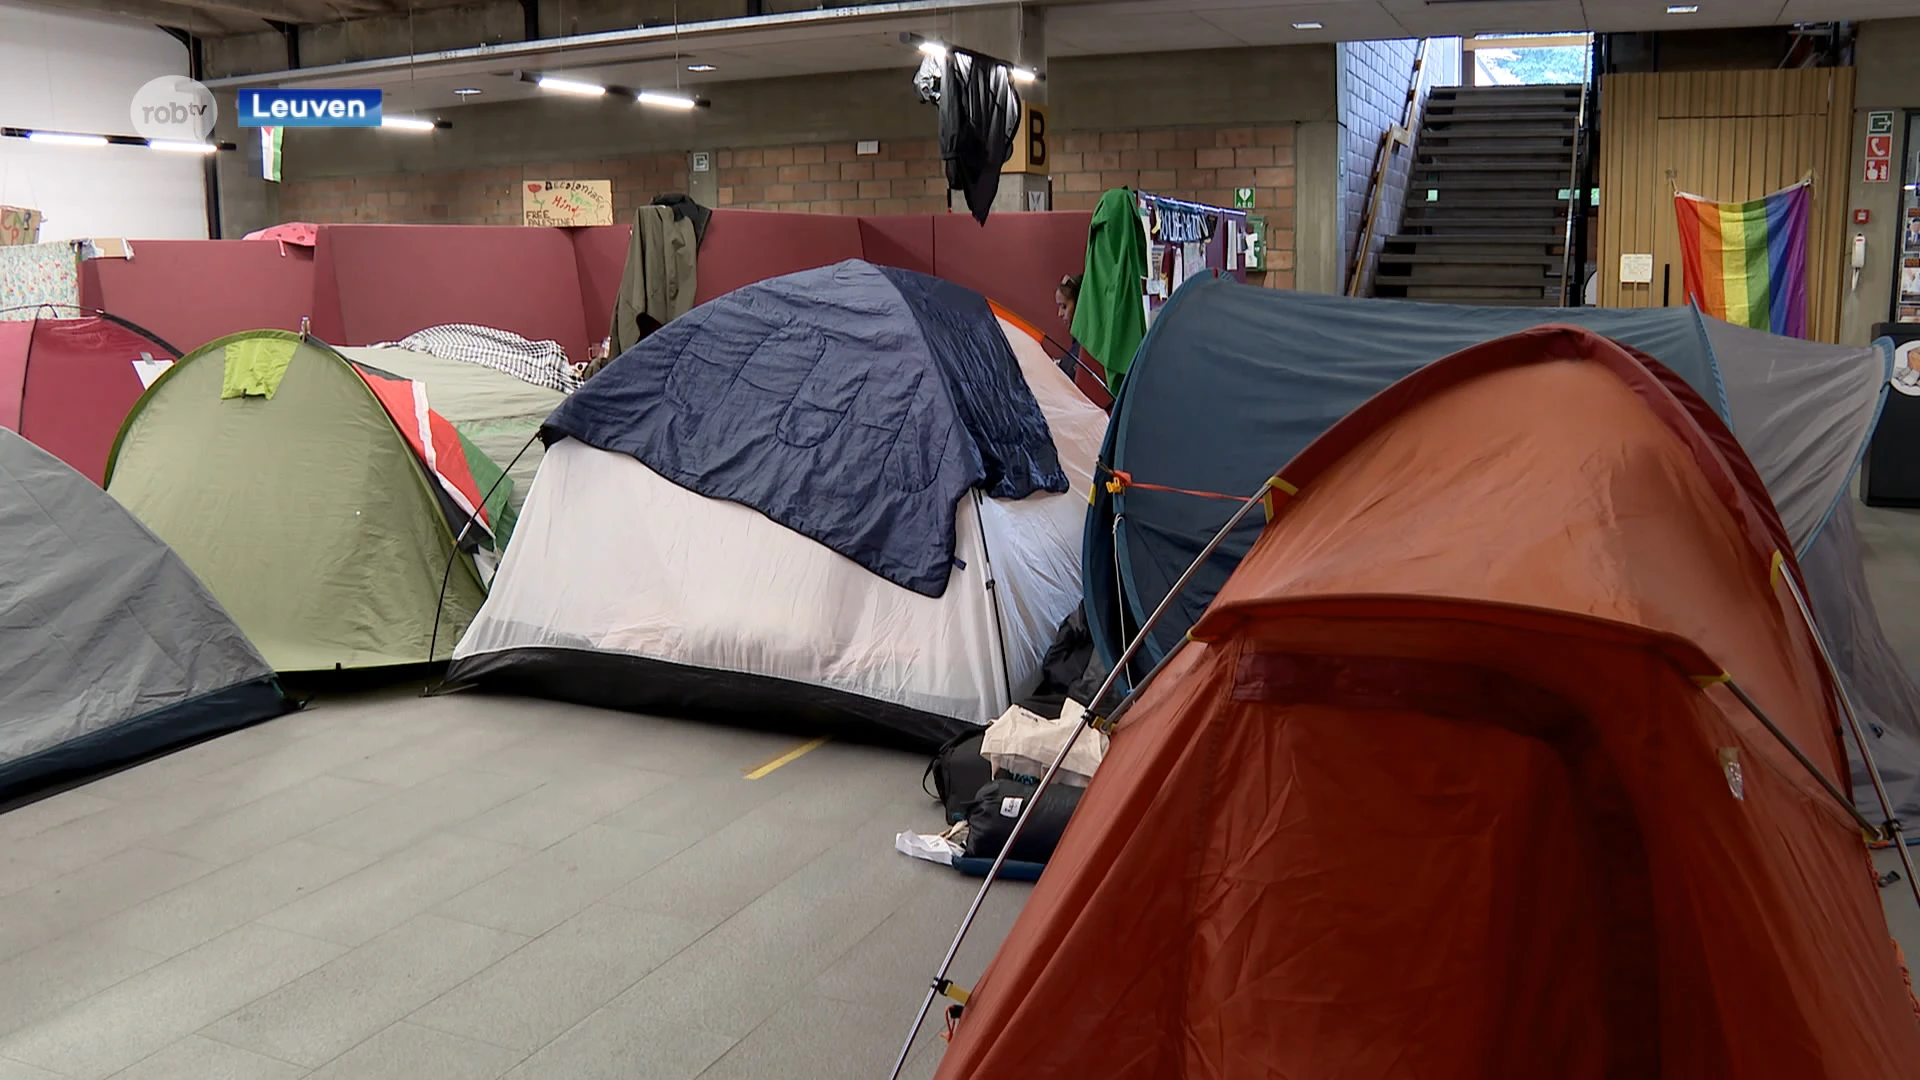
(1109, 319)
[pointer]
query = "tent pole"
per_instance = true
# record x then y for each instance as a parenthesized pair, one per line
(940, 982)
(1892, 828)
(993, 594)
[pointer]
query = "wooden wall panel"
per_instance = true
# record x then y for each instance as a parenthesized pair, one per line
(1728, 136)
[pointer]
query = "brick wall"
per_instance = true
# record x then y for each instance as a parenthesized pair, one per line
(906, 177)
(482, 196)
(1373, 96)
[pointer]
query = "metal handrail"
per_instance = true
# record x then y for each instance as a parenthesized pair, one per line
(1567, 269)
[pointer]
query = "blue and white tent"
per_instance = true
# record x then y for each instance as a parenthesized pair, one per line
(848, 498)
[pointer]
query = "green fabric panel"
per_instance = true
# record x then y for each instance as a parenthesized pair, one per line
(499, 500)
(493, 409)
(255, 366)
(1109, 319)
(305, 514)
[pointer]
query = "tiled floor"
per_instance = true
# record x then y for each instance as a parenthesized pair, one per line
(467, 888)
(387, 886)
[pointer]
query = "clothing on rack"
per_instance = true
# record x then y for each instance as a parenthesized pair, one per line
(658, 283)
(979, 114)
(1109, 319)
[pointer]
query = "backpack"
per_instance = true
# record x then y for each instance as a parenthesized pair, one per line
(958, 773)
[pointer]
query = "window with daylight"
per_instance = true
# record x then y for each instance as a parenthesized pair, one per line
(1529, 59)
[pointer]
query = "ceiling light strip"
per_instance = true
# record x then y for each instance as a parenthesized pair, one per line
(93, 140)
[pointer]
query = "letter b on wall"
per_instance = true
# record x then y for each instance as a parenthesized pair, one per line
(1030, 141)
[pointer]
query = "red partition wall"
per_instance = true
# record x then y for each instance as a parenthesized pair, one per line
(1015, 259)
(902, 240)
(15, 336)
(375, 283)
(188, 292)
(745, 246)
(363, 284)
(600, 254)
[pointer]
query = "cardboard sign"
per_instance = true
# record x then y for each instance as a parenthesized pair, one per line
(567, 202)
(19, 225)
(1030, 142)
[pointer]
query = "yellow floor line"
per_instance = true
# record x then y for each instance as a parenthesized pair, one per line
(788, 757)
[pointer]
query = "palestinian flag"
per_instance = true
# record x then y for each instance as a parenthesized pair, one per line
(440, 447)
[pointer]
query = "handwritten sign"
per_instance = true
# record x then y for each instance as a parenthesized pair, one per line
(567, 202)
(18, 225)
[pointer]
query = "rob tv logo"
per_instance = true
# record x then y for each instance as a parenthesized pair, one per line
(174, 108)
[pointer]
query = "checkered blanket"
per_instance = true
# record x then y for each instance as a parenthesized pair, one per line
(542, 363)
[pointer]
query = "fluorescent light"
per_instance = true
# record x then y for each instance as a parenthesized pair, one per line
(175, 146)
(1309, 26)
(933, 49)
(468, 91)
(60, 138)
(406, 123)
(701, 67)
(1021, 74)
(569, 86)
(1683, 9)
(665, 101)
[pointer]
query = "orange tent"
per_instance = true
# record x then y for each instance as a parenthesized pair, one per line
(1449, 785)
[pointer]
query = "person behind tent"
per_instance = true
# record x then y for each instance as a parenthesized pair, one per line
(1066, 296)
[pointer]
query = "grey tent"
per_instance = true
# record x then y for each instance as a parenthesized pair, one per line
(110, 648)
(1232, 382)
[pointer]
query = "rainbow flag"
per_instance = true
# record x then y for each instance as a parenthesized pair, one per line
(1746, 262)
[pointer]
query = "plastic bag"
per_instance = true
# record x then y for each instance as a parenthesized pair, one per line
(1024, 743)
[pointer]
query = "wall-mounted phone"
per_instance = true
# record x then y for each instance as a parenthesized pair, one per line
(1859, 260)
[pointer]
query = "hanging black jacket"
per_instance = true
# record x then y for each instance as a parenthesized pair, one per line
(979, 114)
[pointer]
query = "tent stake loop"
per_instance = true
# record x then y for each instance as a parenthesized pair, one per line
(940, 979)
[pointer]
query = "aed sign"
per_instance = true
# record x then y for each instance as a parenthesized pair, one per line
(309, 108)
(1030, 142)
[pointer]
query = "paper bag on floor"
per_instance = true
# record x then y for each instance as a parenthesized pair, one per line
(1025, 743)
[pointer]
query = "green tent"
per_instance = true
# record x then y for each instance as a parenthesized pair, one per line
(316, 499)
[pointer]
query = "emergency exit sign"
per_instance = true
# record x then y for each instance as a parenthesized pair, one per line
(1879, 156)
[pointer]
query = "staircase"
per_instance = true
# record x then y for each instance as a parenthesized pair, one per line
(1487, 200)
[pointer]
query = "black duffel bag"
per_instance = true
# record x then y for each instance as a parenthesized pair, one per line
(958, 772)
(998, 805)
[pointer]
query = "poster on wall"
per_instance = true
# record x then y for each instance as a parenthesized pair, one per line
(19, 225)
(567, 202)
(1910, 236)
(1909, 283)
